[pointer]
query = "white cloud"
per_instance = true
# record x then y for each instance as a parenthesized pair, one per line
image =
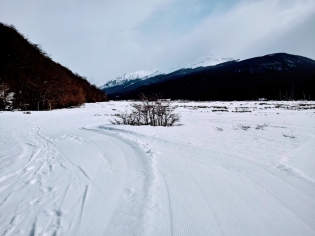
(244, 30)
(90, 37)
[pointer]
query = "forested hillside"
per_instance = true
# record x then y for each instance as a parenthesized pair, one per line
(30, 80)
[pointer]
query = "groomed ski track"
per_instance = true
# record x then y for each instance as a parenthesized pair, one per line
(80, 183)
(67, 173)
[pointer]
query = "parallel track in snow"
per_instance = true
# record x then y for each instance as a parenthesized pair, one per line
(70, 172)
(83, 183)
(233, 189)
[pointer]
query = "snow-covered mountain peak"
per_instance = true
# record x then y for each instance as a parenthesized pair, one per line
(207, 61)
(145, 74)
(138, 74)
(141, 74)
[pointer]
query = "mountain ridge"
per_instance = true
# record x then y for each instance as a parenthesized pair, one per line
(145, 74)
(264, 76)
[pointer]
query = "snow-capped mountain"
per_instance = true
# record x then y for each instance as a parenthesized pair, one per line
(274, 76)
(207, 61)
(142, 74)
(145, 74)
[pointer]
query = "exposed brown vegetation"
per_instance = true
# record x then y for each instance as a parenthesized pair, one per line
(150, 110)
(32, 81)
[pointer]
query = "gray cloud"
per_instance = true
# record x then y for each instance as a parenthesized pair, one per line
(104, 39)
(248, 29)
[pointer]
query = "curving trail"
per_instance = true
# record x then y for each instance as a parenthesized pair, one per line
(75, 182)
(70, 172)
(211, 192)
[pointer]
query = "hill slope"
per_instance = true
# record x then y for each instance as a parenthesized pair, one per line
(29, 79)
(275, 76)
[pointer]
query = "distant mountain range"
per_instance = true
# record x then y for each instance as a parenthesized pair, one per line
(275, 76)
(143, 74)
(30, 80)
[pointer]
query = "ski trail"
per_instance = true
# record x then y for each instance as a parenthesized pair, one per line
(219, 173)
(169, 205)
(83, 202)
(37, 177)
(135, 209)
(75, 185)
(69, 172)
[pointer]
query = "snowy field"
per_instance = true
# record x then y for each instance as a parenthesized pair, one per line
(71, 172)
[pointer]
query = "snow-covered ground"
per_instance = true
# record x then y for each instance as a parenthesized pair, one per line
(71, 172)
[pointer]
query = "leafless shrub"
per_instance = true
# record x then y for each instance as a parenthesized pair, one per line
(263, 126)
(242, 109)
(219, 129)
(220, 111)
(151, 110)
(288, 136)
(244, 127)
(279, 105)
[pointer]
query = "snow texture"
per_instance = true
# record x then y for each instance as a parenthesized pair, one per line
(70, 172)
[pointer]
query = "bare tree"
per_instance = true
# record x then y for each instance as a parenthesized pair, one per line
(5, 95)
(150, 110)
(263, 126)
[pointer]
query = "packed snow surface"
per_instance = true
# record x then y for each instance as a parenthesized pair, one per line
(71, 172)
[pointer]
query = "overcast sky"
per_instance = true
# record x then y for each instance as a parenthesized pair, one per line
(103, 39)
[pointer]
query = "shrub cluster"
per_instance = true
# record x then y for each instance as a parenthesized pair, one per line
(150, 110)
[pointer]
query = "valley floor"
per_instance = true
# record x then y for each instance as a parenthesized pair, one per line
(71, 172)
